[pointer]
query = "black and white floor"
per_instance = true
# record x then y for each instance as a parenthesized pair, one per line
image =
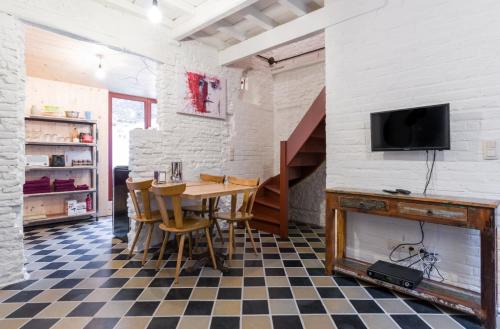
(80, 277)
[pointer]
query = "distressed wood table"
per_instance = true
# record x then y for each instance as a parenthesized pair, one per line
(477, 214)
(209, 190)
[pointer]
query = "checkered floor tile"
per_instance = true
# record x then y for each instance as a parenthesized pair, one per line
(80, 277)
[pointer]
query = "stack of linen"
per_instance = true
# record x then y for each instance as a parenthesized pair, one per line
(62, 185)
(41, 185)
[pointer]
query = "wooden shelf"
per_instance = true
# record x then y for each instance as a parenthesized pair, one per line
(34, 168)
(55, 218)
(60, 144)
(464, 300)
(59, 119)
(59, 193)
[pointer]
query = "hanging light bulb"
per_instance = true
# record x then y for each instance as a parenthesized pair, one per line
(100, 73)
(154, 13)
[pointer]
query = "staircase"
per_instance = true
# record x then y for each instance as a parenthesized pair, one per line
(300, 155)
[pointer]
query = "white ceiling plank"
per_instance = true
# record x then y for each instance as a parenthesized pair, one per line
(135, 10)
(298, 7)
(210, 41)
(179, 4)
(233, 33)
(280, 35)
(257, 17)
(207, 14)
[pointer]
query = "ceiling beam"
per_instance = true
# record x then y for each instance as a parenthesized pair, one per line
(257, 17)
(280, 35)
(298, 7)
(207, 14)
(181, 5)
(232, 32)
(133, 9)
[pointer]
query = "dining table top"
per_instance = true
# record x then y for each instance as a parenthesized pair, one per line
(197, 190)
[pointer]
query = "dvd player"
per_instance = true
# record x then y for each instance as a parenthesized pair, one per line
(395, 274)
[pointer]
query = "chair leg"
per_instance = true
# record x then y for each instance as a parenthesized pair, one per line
(210, 247)
(249, 230)
(190, 240)
(179, 258)
(219, 230)
(147, 243)
(197, 241)
(231, 238)
(162, 250)
(135, 239)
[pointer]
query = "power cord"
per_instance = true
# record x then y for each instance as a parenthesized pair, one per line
(430, 170)
(427, 260)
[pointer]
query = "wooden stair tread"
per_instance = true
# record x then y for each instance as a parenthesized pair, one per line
(305, 160)
(265, 218)
(272, 188)
(267, 203)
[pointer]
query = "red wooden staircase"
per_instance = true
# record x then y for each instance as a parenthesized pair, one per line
(300, 155)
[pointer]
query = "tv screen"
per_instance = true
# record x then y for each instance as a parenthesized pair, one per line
(421, 128)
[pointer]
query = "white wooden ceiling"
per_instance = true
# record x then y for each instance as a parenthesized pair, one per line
(220, 23)
(57, 57)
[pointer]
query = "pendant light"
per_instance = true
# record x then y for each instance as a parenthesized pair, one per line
(154, 13)
(100, 73)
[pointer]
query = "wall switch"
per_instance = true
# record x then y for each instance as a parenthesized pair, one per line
(490, 150)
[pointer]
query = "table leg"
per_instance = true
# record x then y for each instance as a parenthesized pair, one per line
(488, 275)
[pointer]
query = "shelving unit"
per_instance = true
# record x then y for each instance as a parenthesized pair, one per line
(57, 199)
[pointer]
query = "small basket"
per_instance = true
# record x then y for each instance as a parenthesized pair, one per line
(72, 114)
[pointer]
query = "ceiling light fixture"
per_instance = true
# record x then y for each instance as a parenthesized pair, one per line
(100, 73)
(154, 13)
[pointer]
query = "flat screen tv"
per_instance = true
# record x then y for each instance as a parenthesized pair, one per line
(420, 128)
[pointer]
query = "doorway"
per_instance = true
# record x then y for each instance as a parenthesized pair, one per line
(126, 112)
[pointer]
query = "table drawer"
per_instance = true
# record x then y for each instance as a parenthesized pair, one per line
(363, 204)
(432, 211)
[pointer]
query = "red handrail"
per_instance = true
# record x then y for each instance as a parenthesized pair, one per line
(306, 126)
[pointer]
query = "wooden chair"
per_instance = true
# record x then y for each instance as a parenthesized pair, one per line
(179, 225)
(244, 213)
(202, 208)
(144, 215)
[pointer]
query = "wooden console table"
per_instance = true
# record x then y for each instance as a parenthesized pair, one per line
(454, 211)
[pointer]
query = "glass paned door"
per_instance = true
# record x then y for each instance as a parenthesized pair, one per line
(126, 113)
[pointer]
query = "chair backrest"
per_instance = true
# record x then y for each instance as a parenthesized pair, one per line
(248, 197)
(140, 187)
(174, 193)
(213, 179)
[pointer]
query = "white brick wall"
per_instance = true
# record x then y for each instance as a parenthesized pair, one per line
(203, 144)
(407, 54)
(294, 92)
(12, 80)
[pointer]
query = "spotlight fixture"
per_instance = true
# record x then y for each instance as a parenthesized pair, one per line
(154, 13)
(100, 73)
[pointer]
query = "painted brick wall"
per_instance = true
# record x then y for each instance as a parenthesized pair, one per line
(294, 92)
(12, 96)
(407, 54)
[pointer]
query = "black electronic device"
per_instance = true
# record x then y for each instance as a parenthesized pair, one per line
(421, 128)
(395, 274)
(390, 191)
(402, 191)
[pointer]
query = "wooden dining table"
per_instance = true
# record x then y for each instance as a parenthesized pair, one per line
(200, 190)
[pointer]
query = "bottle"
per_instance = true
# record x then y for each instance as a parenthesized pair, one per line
(88, 202)
(74, 136)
